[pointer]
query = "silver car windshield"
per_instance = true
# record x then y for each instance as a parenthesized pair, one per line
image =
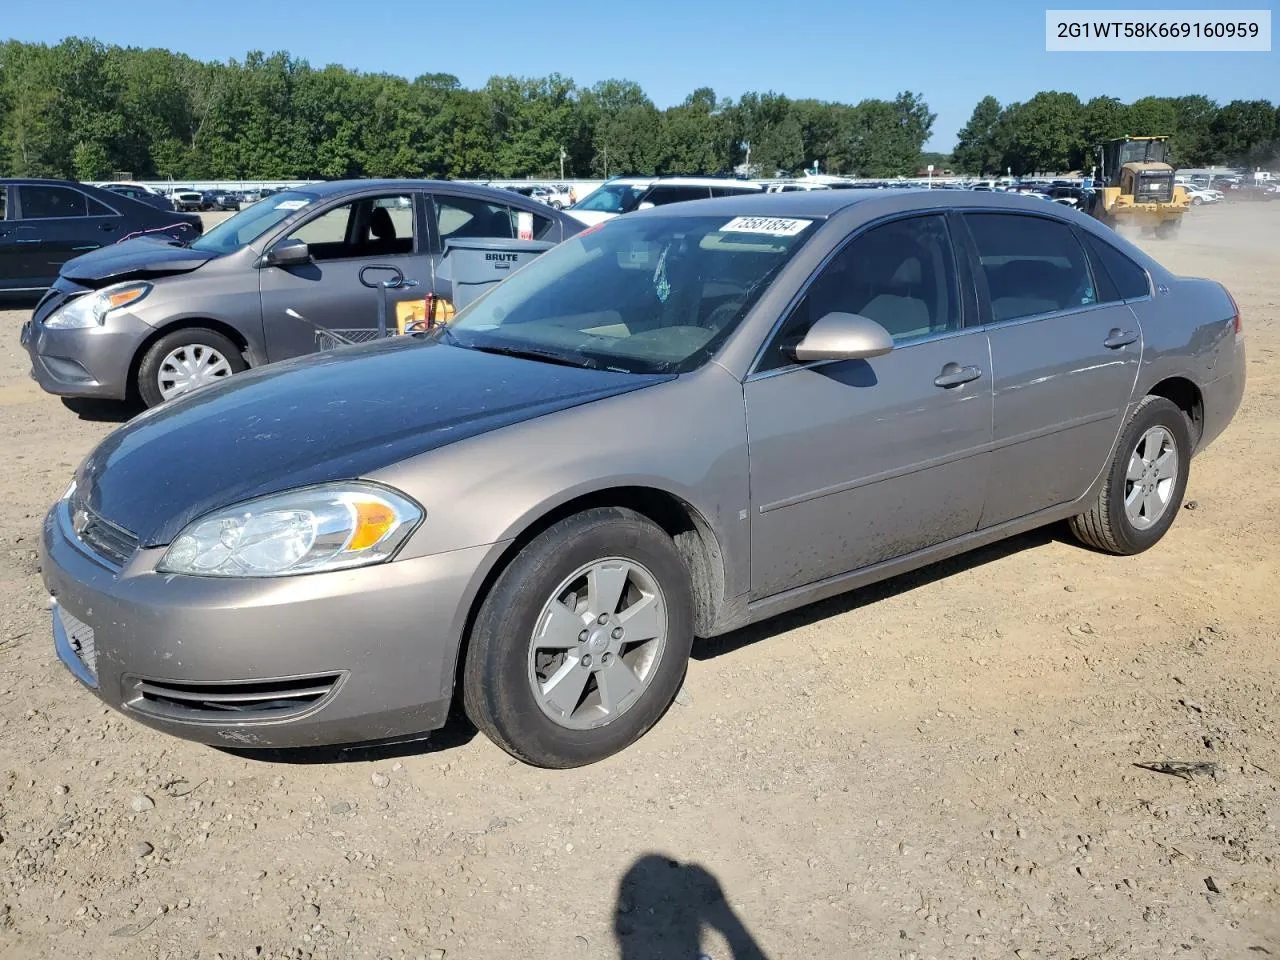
(618, 198)
(251, 223)
(644, 295)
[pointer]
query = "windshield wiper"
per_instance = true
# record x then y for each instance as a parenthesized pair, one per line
(531, 353)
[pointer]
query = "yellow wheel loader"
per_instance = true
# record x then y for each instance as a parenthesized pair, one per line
(1135, 186)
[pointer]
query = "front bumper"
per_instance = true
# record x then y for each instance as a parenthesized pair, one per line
(321, 659)
(88, 362)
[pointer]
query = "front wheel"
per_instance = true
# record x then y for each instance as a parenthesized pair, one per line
(181, 361)
(1168, 230)
(582, 642)
(1145, 482)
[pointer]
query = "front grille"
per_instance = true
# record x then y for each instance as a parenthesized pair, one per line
(80, 635)
(229, 702)
(100, 535)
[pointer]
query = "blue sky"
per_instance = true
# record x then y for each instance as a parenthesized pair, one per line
(953, 53)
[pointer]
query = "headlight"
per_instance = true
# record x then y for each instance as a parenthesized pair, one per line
(91, 309)
(330, 527)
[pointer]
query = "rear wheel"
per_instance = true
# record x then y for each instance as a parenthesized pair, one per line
(181, 361)
(1145, 482)
(582, 642)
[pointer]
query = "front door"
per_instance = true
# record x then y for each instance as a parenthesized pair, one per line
(1064, 358)
(860, 461)
(373, 231)
(58, 223)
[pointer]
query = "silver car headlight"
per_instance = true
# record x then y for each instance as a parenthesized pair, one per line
(331, 527)
(91, 309)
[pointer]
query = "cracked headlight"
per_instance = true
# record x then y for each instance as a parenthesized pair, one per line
(330, 527)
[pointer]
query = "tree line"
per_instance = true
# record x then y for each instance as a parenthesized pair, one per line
(84, 109)
(1055, 131)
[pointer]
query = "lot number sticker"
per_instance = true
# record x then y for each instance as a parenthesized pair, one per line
(291, 204)
(524, 222)
(769, 226)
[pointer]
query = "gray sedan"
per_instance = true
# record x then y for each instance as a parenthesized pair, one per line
(670, 426)
(155, 319)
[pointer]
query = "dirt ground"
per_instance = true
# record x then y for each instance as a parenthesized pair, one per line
(942, 766)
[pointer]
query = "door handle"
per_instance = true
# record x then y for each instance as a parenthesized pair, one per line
(107, 226)
(28, 242)
(953, 375)
(1120, 338)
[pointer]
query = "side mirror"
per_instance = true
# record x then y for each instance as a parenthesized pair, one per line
(289, 252)
(647, 205)
(844, 336)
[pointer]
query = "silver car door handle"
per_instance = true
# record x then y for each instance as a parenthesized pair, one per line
(953, 375)
(1120, 338)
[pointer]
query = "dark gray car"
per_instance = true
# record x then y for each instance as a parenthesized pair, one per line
(157, 319)
(676, 424)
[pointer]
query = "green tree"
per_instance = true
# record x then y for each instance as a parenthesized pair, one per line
(977, 148)
(1243, 132)
(1044, 134)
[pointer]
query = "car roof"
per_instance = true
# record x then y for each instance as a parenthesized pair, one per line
(828, 203)
(683, 182)
(332, 188)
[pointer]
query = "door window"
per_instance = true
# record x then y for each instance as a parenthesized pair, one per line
(4, 205)
(901, 275)
(1032, 265)
(1127, 278)
(471, 217)
(49, 203)
(368, 227)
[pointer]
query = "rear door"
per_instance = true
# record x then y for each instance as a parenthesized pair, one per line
(1064, 359)
(377, 234)
(462, 217)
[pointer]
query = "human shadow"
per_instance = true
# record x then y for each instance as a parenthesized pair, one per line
(664, 906)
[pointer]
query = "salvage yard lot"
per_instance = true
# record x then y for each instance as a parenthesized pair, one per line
(939, 766)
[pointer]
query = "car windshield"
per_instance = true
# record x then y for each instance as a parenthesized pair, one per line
(650, 295)
(618, 198)
(248, 225)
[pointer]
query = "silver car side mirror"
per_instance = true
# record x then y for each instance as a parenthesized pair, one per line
(844, 336)
(289, 252)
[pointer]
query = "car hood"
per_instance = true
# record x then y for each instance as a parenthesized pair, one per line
(137, 259)
(329, 416)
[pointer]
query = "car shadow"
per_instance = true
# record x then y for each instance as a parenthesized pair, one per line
(709, 649)
(457, 732)
(664, 906)
(103, 411)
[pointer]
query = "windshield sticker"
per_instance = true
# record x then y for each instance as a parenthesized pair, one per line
(291, 204)
(524, 221)
(769, 226)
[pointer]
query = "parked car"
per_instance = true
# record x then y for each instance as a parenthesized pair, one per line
(624, 194)
(187, 200)
(224, 200)
(536, 508)
(1199, 195)
(155, 320)
(559, 196)
(45, 223)
(152, 198)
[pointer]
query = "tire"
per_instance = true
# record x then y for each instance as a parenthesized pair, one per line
(1196, 201)
(557, 205)
(1168, 230)
(197, 341)
(504, 663)
(1108, 525)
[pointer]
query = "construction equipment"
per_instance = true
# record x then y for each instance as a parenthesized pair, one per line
(1135, 186)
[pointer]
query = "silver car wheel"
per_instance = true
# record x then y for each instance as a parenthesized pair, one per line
(1151, 478)
(190, 366)
(597, 643)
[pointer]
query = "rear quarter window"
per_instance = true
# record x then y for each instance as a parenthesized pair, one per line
(1130, 280)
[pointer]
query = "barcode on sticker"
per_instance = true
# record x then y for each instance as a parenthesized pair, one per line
(770, 226)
